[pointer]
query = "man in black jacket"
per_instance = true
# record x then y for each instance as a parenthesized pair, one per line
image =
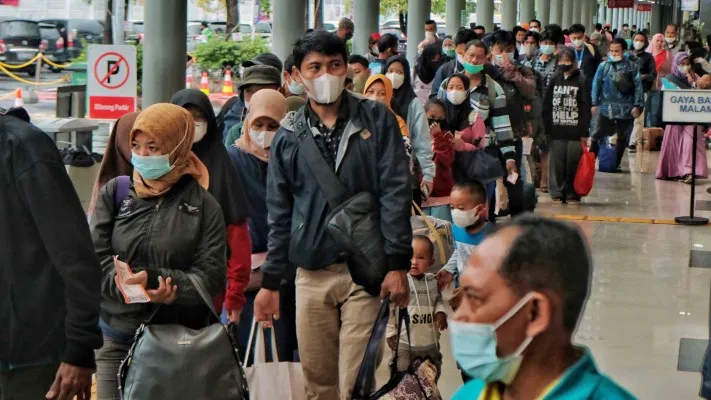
(50, 279)
(587, 55)
(358, 140)
(648, 74)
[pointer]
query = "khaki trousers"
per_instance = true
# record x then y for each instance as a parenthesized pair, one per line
(334, 319)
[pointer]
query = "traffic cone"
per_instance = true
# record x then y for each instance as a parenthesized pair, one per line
(205, 84)
(188, 80)
(227, 85)
(18, 98)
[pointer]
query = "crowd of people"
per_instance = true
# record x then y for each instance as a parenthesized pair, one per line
(249, 202)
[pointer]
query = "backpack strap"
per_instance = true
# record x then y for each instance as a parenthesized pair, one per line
(123, 184)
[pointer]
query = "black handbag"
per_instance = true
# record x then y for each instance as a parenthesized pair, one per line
(171, 361)
(480, 165)
(419, 382)
(354, 221)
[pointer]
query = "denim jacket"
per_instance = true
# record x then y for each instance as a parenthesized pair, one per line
(614, 104)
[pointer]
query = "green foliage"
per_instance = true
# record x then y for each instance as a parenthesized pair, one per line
(82, 56)
(218, 54)
(265, 6)
(692, 31)
(388, 7)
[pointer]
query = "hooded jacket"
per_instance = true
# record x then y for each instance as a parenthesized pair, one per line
(227, 188)
(49, 273)
(613, 103)
(371, 158)
(566, 111)
(519, 85)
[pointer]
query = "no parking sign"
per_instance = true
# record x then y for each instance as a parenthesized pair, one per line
(111, 85)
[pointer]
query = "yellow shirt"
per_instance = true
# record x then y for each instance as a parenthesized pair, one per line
(494, 391)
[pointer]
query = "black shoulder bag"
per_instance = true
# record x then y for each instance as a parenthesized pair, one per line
(354, 220)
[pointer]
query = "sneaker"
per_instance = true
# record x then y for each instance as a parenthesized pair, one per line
(573, 202)
(557, 200)
(632, 149)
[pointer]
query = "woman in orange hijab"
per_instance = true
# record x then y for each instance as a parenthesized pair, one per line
(166, 228)
(378, 88)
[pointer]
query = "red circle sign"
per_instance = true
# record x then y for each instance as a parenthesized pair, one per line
(102, 79)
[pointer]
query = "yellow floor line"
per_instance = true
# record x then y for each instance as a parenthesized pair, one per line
(601, 218)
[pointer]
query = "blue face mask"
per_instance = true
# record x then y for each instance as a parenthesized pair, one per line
(449, 52)
(474, 347)
(296, 88)
(153, 167)
(547, 49)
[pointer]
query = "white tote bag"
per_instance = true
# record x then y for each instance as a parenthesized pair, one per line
(271, 380)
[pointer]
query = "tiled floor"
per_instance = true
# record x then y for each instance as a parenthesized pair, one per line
(646, 300)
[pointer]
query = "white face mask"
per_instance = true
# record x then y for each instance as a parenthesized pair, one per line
(684, 69)
(578, 42)
(535, 30)
(262, 139)
(429, 35)
(200, 131)
(638, 45)
(325, 89)
(396, 79)
(456, 97)
(670, 40)
(614, 58)
(464, 219)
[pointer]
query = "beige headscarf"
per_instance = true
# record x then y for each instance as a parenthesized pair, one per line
(173, 127)
(265, 103)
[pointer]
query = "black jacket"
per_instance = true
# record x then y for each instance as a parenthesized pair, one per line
(566, 111)
(647, 69)
(590, 62)
(180, 233)
(374, 161)
(49, 275)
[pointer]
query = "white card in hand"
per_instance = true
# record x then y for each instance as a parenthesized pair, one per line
(131, 293)
(512, 178)
(527, 145)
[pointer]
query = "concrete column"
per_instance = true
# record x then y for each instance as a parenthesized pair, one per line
(485, 14)
(601, 13)
(575, 17)
(628, 17)
(417, 13)
(164, 46)
(655, 20)
(287, 25)
(556, 15)
(365, 19)
(608, 16)
(508, 14)
(454, 15)
(528, 10)
(543, 12)
(567, 14)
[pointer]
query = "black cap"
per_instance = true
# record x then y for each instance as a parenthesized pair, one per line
(265, 59)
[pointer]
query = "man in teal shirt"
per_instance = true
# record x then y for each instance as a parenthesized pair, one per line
(524, 291)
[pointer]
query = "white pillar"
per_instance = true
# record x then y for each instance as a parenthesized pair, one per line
(567, 14)
(543, 12)
(417, 13)
(601, 13)
(575, 18)
(485, 14)
(528, 10)
(454, 15)
(556, 16)
(365, 18)
(508, 14)
(608, 15)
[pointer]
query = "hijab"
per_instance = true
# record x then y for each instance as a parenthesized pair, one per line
(678, 59)
(225, 184)
(402, 96)
(660, 57)
(388, 99)
(174, 128)
(117, 156)
(265, 103)
(457, 115)
(425, 67)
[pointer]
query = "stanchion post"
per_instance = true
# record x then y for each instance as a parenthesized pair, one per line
(691, 219)
(39, 69)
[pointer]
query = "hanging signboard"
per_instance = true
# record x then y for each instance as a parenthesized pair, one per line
(641, 7)
(111, 86)
(620, 3)
(689, 5)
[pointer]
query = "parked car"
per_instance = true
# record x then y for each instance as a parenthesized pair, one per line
(401, 39)
(20, 41)
(135, 34)
(330, 26)
(390, 24)
(53, 44)
(75, 31)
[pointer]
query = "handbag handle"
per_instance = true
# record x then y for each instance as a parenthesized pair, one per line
(403, 316)
(432, 228)
(365, 380)
(197, 282)
(258, 345)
